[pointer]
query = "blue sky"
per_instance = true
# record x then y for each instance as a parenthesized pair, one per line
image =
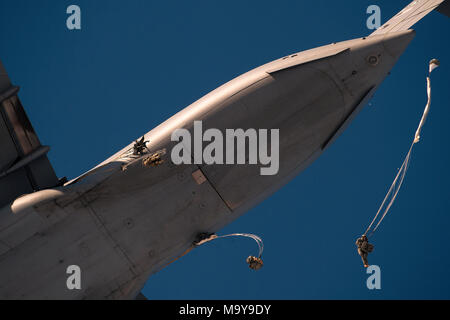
(135, 63)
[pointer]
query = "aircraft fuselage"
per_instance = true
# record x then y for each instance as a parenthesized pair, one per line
(120, 226)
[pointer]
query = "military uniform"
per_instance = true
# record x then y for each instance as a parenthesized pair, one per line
(364, 248)
(139, 147)
(254, 263)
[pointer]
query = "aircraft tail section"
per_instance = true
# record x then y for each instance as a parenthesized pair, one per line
(411, 14)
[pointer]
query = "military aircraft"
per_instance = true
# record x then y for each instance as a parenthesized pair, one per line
(137, 211)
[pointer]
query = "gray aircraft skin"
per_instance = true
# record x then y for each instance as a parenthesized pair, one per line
(121, 226)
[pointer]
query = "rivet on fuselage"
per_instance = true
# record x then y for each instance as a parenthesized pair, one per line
(129, 223)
